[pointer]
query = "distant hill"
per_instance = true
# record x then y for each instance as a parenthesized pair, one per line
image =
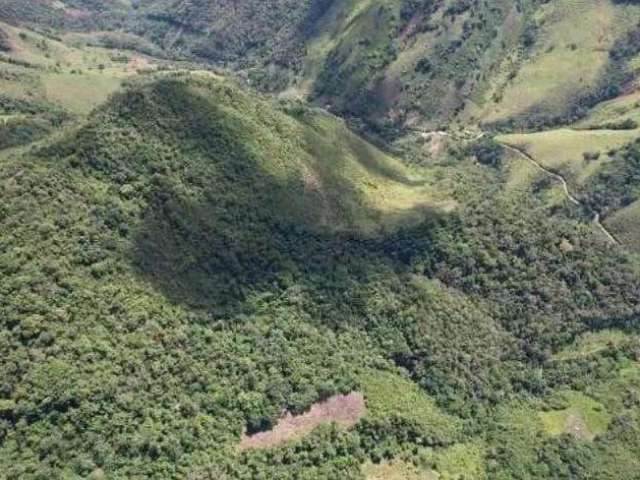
(393, 64)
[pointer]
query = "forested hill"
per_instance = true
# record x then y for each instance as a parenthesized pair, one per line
(319, 240)
(187, 264)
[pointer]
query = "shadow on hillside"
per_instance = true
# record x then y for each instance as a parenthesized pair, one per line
(206, 254)
(369, 157)
(247, 229)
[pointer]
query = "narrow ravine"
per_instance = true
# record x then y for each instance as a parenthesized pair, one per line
(565, 185)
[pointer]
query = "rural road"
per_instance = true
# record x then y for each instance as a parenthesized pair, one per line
(565, 185)
(530, 159)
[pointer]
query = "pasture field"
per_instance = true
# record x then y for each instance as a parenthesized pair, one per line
(582, 417)
(568, 60)
(563, 150)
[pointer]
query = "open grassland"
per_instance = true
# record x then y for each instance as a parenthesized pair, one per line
(563, 150)
(582, 416)
(46, 51)
(46, 69)
(567, 60)
(79, 93)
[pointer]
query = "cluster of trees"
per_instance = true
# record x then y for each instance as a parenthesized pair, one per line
(27, 121)
(617, 183)
(158, 299)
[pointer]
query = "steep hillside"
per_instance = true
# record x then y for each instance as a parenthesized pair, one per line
(392, 64)
(205, 273)
(565, 70)
(193, 260)
(403, 63)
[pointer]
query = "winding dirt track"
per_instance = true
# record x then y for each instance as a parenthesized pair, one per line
(565, 185)
(596, 216)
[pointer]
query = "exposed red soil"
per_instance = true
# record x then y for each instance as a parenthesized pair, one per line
(345, 410)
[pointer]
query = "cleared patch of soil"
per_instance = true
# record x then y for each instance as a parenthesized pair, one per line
(576, 426)
(345, 410)
(435, 144)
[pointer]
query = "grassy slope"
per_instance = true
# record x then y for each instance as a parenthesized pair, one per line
(563, 150)
(389, 394)
(378, 78)
(478, 64)
(76, 79)
(583, 417)
(567, 61)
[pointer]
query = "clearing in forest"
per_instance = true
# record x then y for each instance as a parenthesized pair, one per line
(344, 410)
(563, 150)
(583, 417)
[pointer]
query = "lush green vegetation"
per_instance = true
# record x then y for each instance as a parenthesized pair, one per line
(183, 259)
(173, 276)
(617, 184)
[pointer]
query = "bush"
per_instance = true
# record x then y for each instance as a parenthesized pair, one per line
(486, 151)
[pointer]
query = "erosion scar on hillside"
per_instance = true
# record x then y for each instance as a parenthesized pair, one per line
(345, 410)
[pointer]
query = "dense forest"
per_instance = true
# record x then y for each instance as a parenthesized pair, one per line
(220, 217)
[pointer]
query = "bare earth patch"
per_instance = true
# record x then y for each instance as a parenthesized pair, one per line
(436, 143)
(576, 426)
(345, 410)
